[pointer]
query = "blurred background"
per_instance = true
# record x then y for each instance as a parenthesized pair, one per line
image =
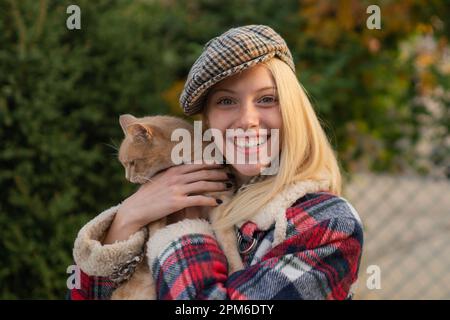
(383, 97)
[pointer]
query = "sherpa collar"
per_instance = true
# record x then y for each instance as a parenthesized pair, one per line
(275, 210)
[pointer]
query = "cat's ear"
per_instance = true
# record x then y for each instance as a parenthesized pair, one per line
(125, 121)
(139, 132)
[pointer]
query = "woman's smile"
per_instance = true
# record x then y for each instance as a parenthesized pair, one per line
(250, 143)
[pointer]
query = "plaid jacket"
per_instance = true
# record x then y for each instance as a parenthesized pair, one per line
(319, 258)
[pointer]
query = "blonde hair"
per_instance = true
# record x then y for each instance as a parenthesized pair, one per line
(305, 150)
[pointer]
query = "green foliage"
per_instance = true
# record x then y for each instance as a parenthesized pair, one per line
(61, 93)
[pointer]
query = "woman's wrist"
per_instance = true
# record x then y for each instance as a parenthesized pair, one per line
(122, 227)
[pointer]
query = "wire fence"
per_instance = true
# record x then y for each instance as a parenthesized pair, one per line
(406, 220)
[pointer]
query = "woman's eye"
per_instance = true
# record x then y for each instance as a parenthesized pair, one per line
(268, 99)
(225, 101)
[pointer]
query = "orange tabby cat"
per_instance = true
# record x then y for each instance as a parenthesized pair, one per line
(145, 151)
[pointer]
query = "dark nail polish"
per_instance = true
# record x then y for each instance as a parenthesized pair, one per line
(230, 175)
(219, 201)
(229, 185)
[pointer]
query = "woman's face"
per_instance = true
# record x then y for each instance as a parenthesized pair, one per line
(246, 101)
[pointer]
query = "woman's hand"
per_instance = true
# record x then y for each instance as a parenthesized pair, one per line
(169, 191)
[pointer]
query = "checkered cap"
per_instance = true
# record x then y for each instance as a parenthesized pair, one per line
(235, 50)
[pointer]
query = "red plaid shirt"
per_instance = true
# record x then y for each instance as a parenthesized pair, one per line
(319, 259)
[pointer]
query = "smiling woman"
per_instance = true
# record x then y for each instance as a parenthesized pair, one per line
(247, 101)
(297, 238)
(305, 151)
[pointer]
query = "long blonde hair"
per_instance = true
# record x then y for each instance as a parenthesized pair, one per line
(305, 150)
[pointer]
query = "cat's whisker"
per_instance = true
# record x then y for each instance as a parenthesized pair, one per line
(148, 179)
(144, 178)
(114, 146)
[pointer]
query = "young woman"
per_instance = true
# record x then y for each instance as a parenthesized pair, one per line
(298, 238)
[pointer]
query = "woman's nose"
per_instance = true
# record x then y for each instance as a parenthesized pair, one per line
(249, 116)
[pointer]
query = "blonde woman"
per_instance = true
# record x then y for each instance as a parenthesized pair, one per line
(298, 238)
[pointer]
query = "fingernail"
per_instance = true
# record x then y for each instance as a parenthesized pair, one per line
(219, 201)
(230, 175)
(229, 185)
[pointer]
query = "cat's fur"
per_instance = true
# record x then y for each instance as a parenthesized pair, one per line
(148, 143)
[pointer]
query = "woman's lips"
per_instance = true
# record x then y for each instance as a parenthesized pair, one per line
(250, 144)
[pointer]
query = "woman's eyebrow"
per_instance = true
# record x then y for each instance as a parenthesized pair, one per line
(231, 91)
(266, 88)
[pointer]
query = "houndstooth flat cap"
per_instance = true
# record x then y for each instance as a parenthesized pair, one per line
(235, 50)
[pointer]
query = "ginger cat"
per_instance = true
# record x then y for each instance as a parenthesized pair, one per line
(145, 151)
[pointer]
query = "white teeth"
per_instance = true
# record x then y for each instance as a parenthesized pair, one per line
(250, 142)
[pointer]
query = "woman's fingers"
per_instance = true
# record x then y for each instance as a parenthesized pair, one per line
(204, 186)
(201, 201)
(186, 168)
(205, 174)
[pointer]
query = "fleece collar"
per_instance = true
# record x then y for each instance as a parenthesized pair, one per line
(275, 210)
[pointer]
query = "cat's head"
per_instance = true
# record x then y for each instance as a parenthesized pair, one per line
(146, 148)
